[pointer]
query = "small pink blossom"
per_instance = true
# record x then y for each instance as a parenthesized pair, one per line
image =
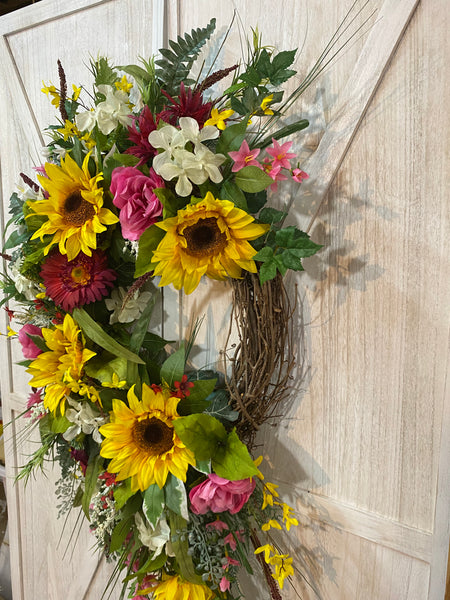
(244, 157)
(217, 525)
(219, 495)
(273, 171)
(134, 196)
(224, 584)
(280, 154)
(230, 539)
(29, 348)
(231, 562)
(298, 175)
(35, 397)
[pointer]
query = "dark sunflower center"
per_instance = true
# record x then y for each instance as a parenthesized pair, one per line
(77, 210)
(153, 436)
(204, 238)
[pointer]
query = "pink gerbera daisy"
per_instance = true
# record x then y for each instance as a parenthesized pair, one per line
(72, 283)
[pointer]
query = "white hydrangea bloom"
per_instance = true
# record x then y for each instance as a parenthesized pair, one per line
(155, 538)
(132, 309)
(85, 419)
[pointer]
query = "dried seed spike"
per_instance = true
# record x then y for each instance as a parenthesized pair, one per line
(62, 92)
(34, 186)
(136, 286)
(214, 78)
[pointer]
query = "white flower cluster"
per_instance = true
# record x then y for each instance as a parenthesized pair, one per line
(24, 286)
(155, 538)
(132, 309)
(179, 161)
(85, 419)
(108, 114)
(102, 514)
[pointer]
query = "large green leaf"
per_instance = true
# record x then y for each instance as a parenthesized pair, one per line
(172, 368)
(153, 503)
(233, 461)
(252, 179)
(175, 496)
(201, 433)
(148, 242)
(180, 546)
(94, 332)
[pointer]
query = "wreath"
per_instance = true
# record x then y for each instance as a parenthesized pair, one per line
(152, 179)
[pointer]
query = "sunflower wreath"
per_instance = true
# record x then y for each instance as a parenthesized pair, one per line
(160, 182)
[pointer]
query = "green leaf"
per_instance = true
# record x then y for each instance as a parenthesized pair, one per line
(230, 191)
(256, 201)
(140, 74)
(233, 461)
(171, 203)
(148, 242)
(176, 63)
(180, 546)
(293, 238)
(284, 132)
(232, 137)
(95, 332)
(122, 493)
(197, 401)
(95, 465)
(153, 503)
(252, 179)
(38, 341)
(271, 215)
(128, 160)
(59, 424)
(204, 466)
(265, 254)
(172, 368)
(220, 409)
(103, 368)
(175, 496)
(267, 271)
(202, 434)
(291, 260)
(120, 532)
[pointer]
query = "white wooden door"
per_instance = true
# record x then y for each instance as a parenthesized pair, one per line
(363, 449)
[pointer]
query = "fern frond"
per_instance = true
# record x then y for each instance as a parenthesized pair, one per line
(176, 62)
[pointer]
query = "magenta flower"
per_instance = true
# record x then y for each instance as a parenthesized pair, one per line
(218, 526)
(273, 171)
(29, 348)
(35, 397)
(280, 154)
(230, 539)
(224, 584)
(138, 133)
(244, 157)
(134, 195)
(298, 175)
(220, 495)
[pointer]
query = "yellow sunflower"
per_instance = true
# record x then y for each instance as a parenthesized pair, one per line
(208, 238)
(60, 369)
(175, 588)
(74, 208)
(141, 440)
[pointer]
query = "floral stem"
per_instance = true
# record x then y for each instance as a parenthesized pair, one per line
(271, 583)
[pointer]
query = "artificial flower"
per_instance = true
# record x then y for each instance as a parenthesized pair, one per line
(175, 588)
(107, 114)
(265, 105)
(22, 284)
(29, 348)
(138, 133)
(51, 91)
(74, 209)
(209, 238)
(287, 518)
(283, 567)
(129, 311)
(141, 440)
(73, 283)
(269, 492)
(274, 171)
(156, 538)
(123, 85)
(183, 387)
(135, 197)
(298, 175)
(218, 118)
(189, 104)
(219, 495)
(85, 420)
(60, 368)
(280, 154)
(271, 524)
(244, 157)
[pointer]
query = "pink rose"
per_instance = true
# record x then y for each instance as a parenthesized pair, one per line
(134, 195)
(220, 495)
(29, 348)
